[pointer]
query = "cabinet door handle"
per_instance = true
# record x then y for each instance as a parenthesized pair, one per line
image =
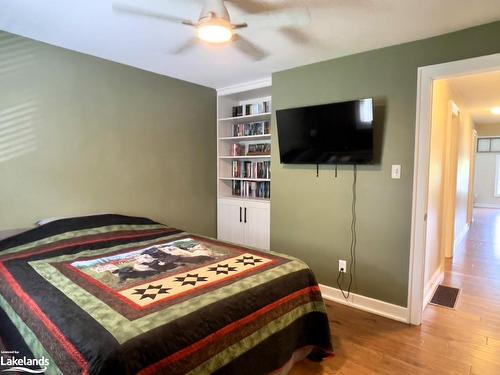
(245, 215)
(240, 214)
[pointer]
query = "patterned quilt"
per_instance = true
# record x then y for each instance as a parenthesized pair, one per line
(111, 294)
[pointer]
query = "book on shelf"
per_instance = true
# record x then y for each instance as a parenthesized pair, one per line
(237, 149)
(236, 169)
(252, 109)
(259, 149)
(238, 111)
(251, 128)
(251, 169)
(251, 189)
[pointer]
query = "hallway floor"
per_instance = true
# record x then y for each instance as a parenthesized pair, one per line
(462, 341)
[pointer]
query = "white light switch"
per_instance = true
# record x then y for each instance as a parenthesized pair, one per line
(396, 171)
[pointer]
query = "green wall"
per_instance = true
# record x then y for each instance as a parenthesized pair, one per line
(82, 135)
(310, 217)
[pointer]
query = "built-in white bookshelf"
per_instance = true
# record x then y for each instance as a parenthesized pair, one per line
(244, 164)
(244, 132)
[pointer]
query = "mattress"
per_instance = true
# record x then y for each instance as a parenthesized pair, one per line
(126, 295)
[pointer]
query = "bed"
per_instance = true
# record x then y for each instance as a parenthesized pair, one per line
(126, 295)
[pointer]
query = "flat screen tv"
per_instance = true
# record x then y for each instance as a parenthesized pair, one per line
(336, 133)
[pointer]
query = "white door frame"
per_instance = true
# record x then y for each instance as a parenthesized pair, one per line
(450, 181)
(472, 170)
(426, 76)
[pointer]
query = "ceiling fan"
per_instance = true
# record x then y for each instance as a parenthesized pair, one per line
(214, 25)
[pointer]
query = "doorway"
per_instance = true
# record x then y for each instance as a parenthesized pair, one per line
(455, 212)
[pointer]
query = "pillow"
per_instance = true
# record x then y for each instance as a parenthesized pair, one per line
(50, 219)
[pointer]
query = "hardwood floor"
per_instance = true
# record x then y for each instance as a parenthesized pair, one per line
(462, 341)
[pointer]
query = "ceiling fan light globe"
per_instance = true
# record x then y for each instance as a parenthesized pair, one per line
(215, 32)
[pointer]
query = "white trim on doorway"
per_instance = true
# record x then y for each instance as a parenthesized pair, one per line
(496, 188)
(450, 180)
(426, 76)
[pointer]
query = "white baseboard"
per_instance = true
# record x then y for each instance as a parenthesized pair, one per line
(487, 205)
(431, 286)
(461, 235)
(367, 304)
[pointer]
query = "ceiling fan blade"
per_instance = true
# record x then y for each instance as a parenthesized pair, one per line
(138, 11)
(248, 48)
(297, 36)
(254, 7)
(291, 17)
(186, 46)
(239, 25)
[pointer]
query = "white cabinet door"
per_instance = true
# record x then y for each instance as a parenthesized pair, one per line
(257, 221)
(230, 226)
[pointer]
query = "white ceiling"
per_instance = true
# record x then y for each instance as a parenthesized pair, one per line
(479, 93)
(338, 28)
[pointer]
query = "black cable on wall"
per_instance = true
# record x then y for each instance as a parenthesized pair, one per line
(352, 249)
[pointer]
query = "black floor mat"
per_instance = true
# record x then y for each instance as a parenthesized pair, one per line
(445, 296)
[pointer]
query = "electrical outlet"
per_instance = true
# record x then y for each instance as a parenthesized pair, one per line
(342, 266)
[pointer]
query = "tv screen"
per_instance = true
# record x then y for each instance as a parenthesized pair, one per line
(336, 133)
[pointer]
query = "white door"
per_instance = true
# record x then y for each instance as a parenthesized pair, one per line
(230, 226)
(257, 221)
